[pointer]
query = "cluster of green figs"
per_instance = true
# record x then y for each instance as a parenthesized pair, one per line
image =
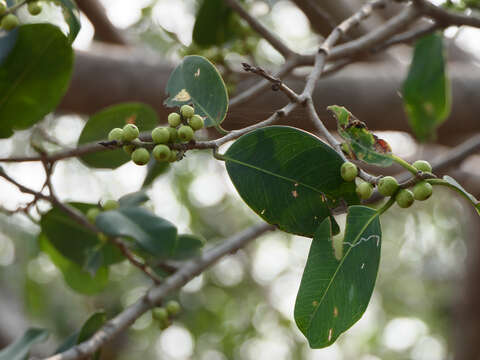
(180, 130)
(9, 21)
(388, 185)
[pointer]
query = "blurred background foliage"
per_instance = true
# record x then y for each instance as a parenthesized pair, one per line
(243, 307)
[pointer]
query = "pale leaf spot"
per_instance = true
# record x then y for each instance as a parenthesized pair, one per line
(335, 311)
(183, 95)
(295, 193)
(363, 266)
(315, 303)
(262, 212)
(197, 73)
(330, 333)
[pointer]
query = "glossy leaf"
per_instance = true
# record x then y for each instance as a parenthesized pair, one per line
(153, 234)
(336, 288)
(72, 17)
(288, 177)
(20, 349)
(133, 199)
(33, 77)
(73, 240)
(360, 143)
(196, 81)
(214, 24)
(77, 278)
(89, 328)
(187, 246)
(459, 188)
(426, 91)
(99, 125)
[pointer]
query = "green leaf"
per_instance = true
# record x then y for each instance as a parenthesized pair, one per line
(20, 349)
(197, 81)
(100, 124)
(288, 177)
(154, 170)
(73, 240)
(214, 24)
(33, 77)
(360, 143)
(459, 188)
(89, 328)
(426, 91)
(153, 234)
(72, 17)
(78, 279)
(133, 199)
(336, 288)
(187, 246)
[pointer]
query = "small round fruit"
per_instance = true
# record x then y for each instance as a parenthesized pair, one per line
(102, 237)
(422, 191)
(141, 156)
(187, 111)
(173, 156)
(115, 134)
(364, 190)
(161, 153)
(130, 132)
(160, 135)
(404, 198)
(422, 165)
(160, 314)
(92, 214)
(34, 8)
(3, 7)
(196, 122)
(174, 119)
(348, 171)
(9, 22)
(185, 133)
(110, 205)
(173, 134)
(173, 307)
(387, 186)
(129, 148)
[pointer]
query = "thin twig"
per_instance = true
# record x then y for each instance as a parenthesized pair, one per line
(262, 30)
(157, 293)
(445, 16)
(277, 84)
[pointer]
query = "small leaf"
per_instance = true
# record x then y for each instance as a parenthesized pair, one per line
(288, 177)
(336, 288)
(94, 261)
(459, 188)
(214, 23)
(360, 143)
(187, 246)
(74, 241)
(33, 77)
(197, 81)
(89, 328)
(152, 233)
(72, 17)
(426, 91)
(99, 125)
(75, 277)
(133, 199)
(20, 349)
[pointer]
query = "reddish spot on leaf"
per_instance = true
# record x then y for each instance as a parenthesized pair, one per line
(131, 119)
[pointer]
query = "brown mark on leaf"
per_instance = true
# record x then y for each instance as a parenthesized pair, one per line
(295, 194)
(335, 311)
(131, 119)
(183, 95)
(315, 303)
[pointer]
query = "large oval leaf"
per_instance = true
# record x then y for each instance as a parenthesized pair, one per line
(426, 91)
(34, 76)
(335, 290)
(197, 81)
(74, 241)
(288, 177)
(75, 276)
(19, 349)
(100, 124)
(153, 234)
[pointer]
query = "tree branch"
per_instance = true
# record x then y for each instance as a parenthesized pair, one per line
(157, 293)
(445, 16)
